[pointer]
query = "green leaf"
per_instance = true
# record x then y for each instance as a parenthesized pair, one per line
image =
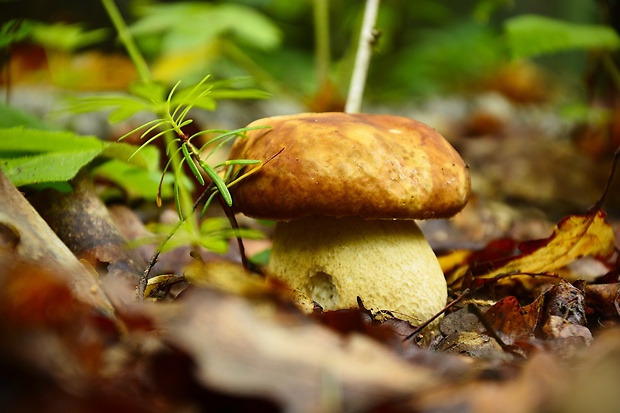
(126, 111)
(31, 156)
(531, 35)
(46, 167)
(28, 141)
(123, 106)
(66, 37)
(248, 26)
(205, 102)
(192, 25)
(218, 182)
(214, 244)
(10, 116)
(239, 94)
(13, 31)
(136, 181)
(186, 95)
(147, 158)
(213, 224)
(442, 65)
(190, 163)
(152, 91)
(261, 258)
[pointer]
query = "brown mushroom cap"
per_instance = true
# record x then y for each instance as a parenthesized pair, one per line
(340, 164)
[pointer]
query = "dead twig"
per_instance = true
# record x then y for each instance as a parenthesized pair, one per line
(433, 318)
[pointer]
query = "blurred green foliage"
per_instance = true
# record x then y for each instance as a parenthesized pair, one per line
(424, 46)
(530, 35)
(33, 153)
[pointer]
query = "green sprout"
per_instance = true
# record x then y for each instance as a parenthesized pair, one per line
(171, 112)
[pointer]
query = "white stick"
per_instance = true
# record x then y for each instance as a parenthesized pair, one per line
(362, 59)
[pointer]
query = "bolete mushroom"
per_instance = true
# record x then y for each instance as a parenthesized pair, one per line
(345, 191)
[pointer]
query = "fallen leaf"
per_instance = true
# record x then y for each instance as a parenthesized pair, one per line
(245, 351)
(566, 301)
(603, 299)
(530, 388)
(513, 322)
(461, 265)
(556, 327)
(44, 325)
(473, 344)
(574, 237)
(557, 313)
(593, 381)
(228, 276)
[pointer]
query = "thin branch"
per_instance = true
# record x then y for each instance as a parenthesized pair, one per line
(362, 59)
(474, 309)
(417, 331)
(230, 214)
(599, 204)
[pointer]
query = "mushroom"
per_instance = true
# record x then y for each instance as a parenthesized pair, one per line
(345, 191)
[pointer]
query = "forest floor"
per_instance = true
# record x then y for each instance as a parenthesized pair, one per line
(531, 265)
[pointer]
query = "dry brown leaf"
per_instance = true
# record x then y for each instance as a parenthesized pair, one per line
(593, 382)
(512, 322)
(531, 388)
(249, 350)
(604, 298)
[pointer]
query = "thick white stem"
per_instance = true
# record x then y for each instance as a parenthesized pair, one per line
(387, 263)
(362, 59)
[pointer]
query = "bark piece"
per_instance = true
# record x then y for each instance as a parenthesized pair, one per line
(25, 234)
(83, 223)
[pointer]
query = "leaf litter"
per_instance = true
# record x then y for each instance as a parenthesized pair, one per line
(523, 335)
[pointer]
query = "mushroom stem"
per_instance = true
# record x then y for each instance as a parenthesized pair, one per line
(387, 263)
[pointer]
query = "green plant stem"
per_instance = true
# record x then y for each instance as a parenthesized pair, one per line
(127, 40)
(145, 75)
(321, 39)
(185, 199)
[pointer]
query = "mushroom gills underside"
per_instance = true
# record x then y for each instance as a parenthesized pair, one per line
(387, 263)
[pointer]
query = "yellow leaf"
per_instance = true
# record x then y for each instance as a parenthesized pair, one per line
(178, 65)
(227, 276)
(574, 237)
